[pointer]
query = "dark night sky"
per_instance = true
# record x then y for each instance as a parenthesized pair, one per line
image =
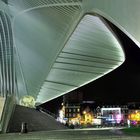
(123, 84)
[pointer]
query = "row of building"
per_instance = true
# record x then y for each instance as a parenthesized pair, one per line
(84, 113)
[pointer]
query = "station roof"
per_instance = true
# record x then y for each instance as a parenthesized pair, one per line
(61, 45)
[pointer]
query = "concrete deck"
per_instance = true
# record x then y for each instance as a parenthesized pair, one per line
(70, 135)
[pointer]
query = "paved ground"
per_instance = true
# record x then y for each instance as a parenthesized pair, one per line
(71, 135)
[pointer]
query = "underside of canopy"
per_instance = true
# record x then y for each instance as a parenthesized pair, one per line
(60, 45)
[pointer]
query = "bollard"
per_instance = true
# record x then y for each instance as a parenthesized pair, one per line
(24, 127)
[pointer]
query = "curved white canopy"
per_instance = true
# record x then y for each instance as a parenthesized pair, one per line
(63, 44)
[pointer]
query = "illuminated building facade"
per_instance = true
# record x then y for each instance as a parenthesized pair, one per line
(134, 117)
(87, 116)
(72, 111)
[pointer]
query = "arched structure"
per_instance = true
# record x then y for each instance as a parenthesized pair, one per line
(50, 47)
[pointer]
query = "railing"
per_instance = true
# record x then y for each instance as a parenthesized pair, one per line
(43, 110)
